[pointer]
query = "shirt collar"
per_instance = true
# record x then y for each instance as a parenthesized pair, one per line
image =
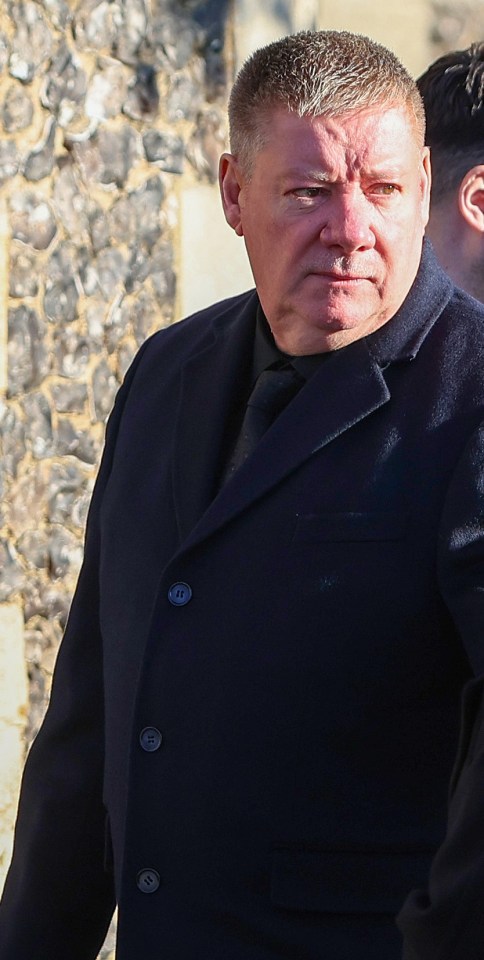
(267, 353)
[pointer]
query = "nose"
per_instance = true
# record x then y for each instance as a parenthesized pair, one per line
(348, 224)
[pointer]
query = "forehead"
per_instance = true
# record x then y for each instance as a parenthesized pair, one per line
(377, 134)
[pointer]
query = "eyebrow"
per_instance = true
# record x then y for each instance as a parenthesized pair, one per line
(393, 172)
(317, 175)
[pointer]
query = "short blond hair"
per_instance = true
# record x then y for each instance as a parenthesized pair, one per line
(316, 73)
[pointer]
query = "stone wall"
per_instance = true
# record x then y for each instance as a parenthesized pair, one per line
(105, 108)
(112, 114)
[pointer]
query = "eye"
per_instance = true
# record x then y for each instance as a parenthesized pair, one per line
(384, 189)
(308, 193)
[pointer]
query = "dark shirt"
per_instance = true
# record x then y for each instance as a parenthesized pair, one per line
(267, 353)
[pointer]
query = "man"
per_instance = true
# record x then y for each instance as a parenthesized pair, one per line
(453, 93)
(256, 704)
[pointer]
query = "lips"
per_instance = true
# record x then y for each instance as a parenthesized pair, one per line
(339, 277)
(342, 276)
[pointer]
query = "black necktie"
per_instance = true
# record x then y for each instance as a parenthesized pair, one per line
(272, 391)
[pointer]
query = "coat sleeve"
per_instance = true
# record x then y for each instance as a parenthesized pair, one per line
(58, 898)
(446, 921)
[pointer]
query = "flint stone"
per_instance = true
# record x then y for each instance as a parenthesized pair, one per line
(132, 25)
(80, 507)
(138, 269)
(33, 547)
(41, 636)
(93, 24)
(77, 443)
(61, 300)
(40, 161)
(38, 701)
(125, 356)
(9, 160)
(98, 227)
(59, 12)
(12, 436)
(66, 81)
(164, 149)
(69, 397)
(72, 353)
(108, 155)
(39, 425)
(173, 40)
(67, 485)
(89, 279)
(212, 16)
(70, 204)
(17, 109)
(137, 215)
(61, 292)
(144, 315)
(45, 666)
(143, 98)
(23, 280)
(104, 388)
(116, 325)
(119, 25)
(162, 274)
(67, 258)
(120, 220)
(206, 144)
(27, 351)
(184, 97)
(4, 50)
(158, 266)
(110, 267)
(50, 602)
(107, 91)
(65, 553)
(32, 219)
(32, 42)
(97, 320)
(12, 577)
(215, 66)
(27, 499)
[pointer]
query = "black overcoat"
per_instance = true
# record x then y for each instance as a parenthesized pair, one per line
(255, 708)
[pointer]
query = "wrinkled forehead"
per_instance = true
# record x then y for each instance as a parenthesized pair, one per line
(275, 124)
(386, 128)
(274, 111)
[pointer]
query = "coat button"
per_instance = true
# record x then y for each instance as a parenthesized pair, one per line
(179, 594)
(148, 881)
(150, 739)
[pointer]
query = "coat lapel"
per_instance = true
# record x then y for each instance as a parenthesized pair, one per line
(347, 388)
(213, 381)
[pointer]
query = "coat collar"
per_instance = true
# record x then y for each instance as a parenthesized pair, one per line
(402, 337)
(214, 378)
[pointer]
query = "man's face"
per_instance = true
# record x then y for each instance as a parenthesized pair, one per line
(333, 217)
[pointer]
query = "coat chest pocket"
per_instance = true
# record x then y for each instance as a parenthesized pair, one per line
(345, 881)
(348, 527)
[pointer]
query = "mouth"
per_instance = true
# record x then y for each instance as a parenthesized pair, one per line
(333, 277)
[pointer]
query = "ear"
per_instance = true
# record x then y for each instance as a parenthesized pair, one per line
(230, 182)
(471, 198)
(426, 184)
